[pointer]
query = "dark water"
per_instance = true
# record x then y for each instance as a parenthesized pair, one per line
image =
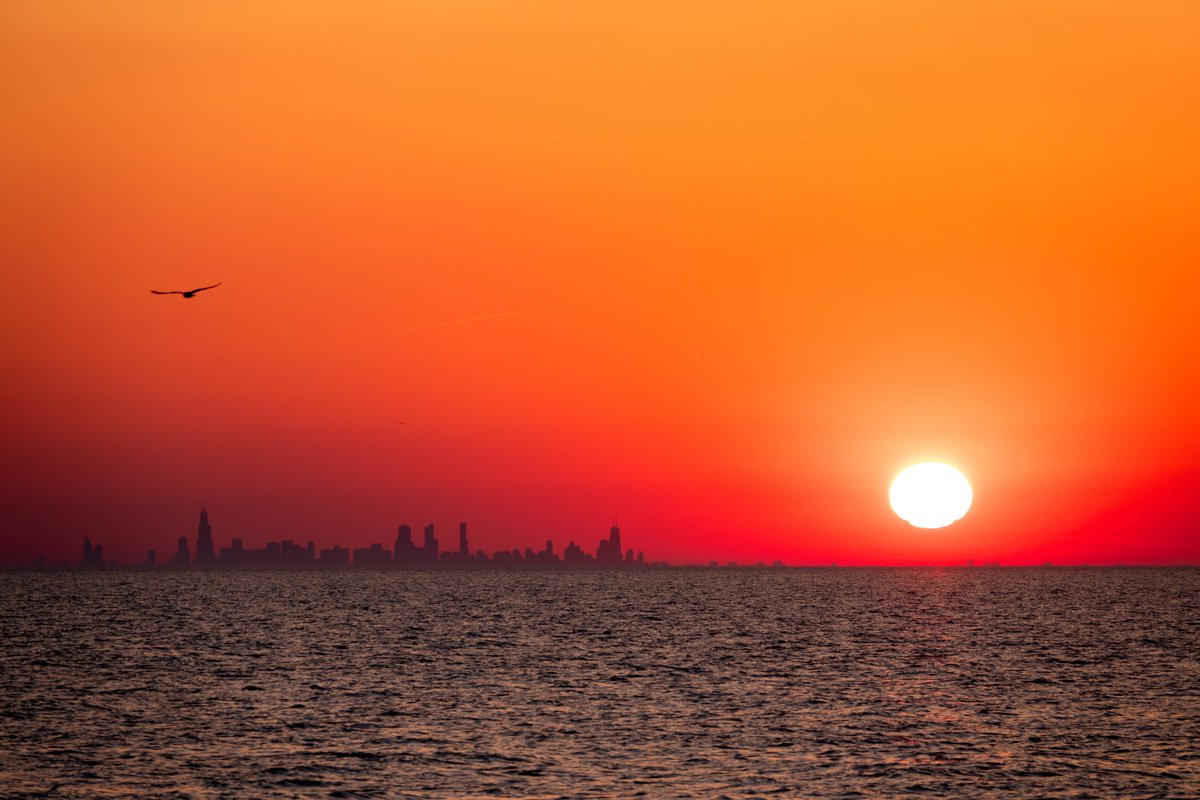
(809, 683)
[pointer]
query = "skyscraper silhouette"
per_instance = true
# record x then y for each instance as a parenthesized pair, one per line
(92, 556)
(182, 557)
(204, 542)
(431, 545)
(402, 551)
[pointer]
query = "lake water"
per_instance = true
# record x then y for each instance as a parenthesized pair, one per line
(983, 683)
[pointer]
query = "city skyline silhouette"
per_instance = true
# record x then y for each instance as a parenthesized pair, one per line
(404, 553)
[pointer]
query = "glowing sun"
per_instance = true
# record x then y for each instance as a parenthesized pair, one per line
(930, 495)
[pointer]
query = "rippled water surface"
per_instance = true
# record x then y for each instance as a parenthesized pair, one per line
(809, 683)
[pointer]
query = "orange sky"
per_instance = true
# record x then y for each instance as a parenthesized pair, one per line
(768, 255)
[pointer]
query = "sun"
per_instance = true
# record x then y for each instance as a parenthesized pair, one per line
(930, 495)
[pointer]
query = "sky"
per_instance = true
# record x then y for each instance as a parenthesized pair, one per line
(716, 271)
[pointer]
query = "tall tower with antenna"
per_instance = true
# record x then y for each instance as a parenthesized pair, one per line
(204, 542)
(614, 544)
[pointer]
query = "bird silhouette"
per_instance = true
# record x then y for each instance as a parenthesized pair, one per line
(188, 295)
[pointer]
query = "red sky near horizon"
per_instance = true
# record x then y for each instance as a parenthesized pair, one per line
(766, 255)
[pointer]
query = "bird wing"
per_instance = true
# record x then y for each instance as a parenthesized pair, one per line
(203, 288)
(156, 291)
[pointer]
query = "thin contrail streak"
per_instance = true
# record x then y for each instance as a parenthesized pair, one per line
(430, 325)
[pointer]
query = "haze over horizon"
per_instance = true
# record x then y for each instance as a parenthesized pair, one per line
(720, 271)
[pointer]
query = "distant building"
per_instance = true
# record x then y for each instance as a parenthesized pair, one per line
(204, 542)
(182, 557)
(431, 546)
(92, 556)
(373, 556)
(336, 556)
(293, 555)
(403, 550)
(574, 554)
(608, 552)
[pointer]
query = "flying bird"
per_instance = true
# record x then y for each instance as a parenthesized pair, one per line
(190, 294)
